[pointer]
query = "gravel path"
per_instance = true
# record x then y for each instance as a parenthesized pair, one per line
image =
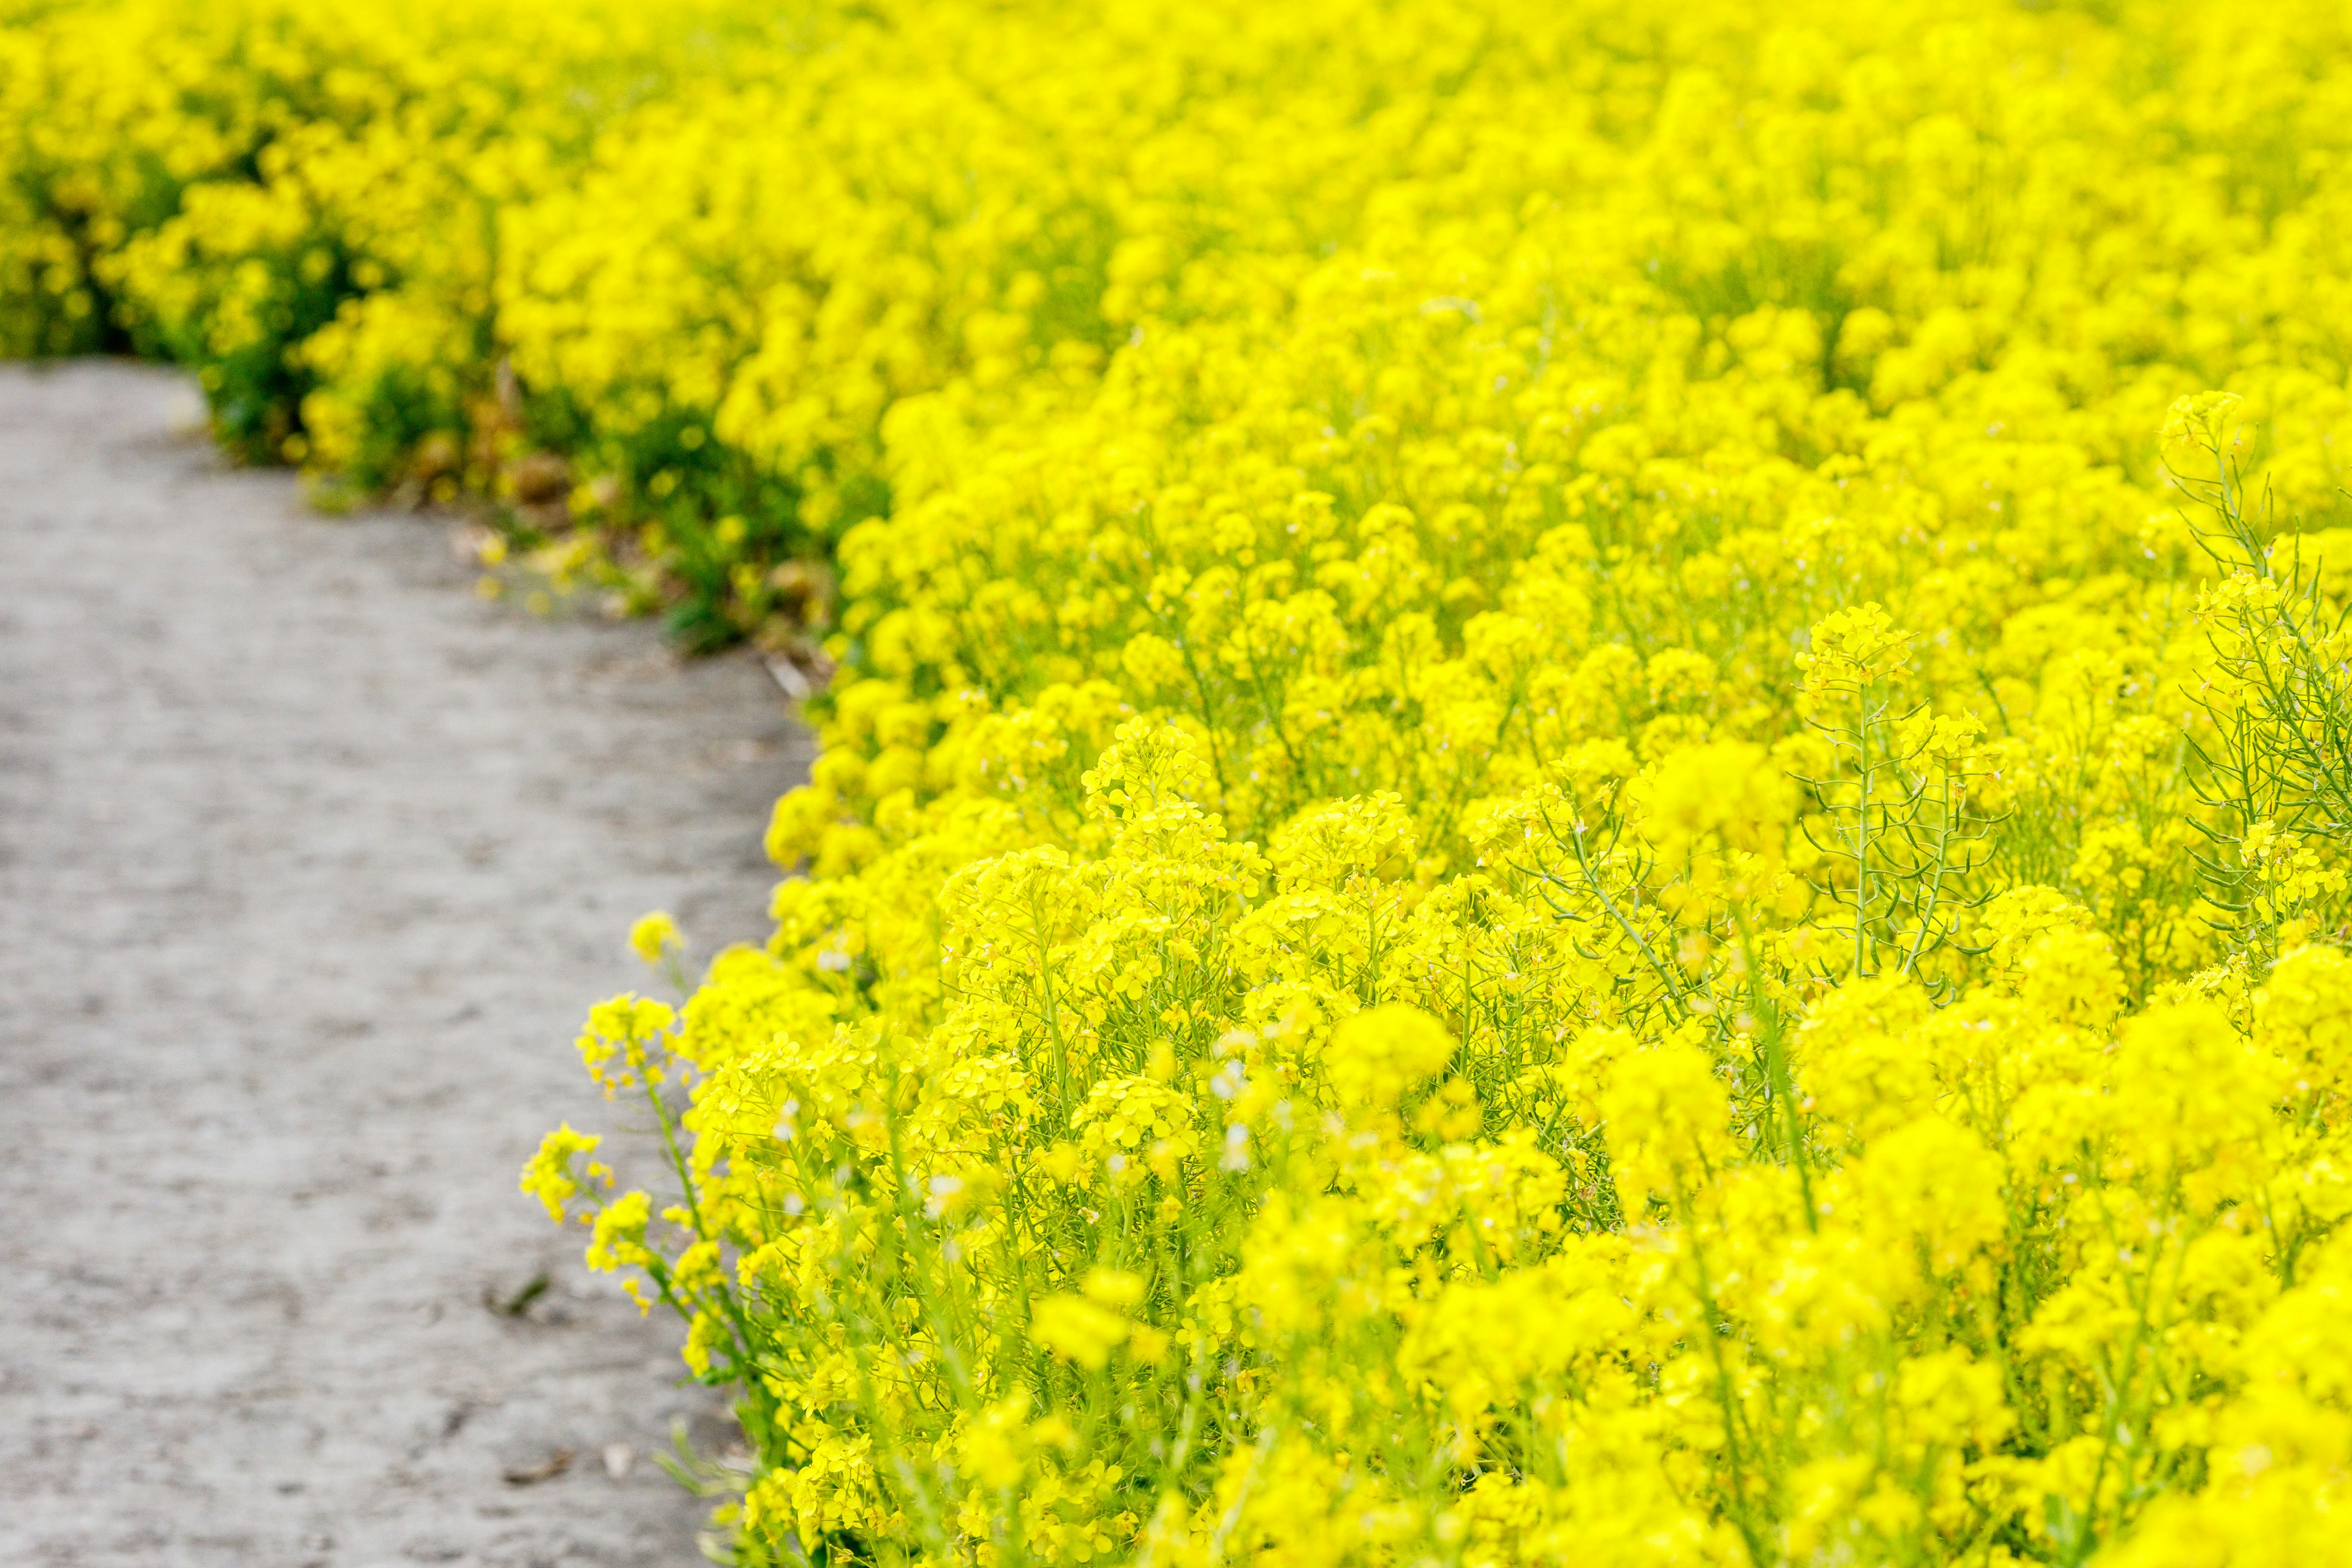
(310, 863)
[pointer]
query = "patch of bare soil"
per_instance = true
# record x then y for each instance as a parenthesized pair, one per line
(309, 864)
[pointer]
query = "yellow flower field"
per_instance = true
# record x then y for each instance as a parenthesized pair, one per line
(1585, 792)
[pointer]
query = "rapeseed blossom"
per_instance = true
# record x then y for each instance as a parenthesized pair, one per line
(1585, 790)
(656, 939)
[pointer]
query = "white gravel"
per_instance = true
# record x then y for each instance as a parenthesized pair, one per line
(309, 864)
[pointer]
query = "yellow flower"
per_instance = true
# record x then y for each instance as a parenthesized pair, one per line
(654, 936)
(547, 1175)
(1853, 648)
(1078, 1330)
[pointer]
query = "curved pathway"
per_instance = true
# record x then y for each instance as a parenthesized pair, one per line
(310, 863)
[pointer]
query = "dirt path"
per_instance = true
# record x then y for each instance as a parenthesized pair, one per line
(309, 862)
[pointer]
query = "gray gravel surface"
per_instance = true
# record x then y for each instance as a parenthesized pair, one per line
(309, 864)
